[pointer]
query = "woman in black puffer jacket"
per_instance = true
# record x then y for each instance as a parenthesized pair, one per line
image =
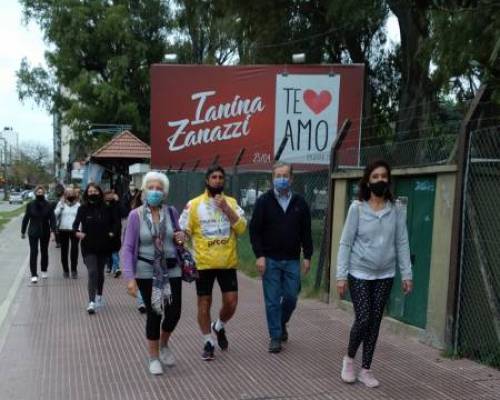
(97, 227)
(40, 217)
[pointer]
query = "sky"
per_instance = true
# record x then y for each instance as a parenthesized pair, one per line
(34, 124)
(18, 40)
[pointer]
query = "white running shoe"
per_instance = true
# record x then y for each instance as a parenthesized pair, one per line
(348, 375)
(155, 367)
(167, 357)
(366, 376)
(34, 279)
(91, 308)
(45, 275)
(99, 301)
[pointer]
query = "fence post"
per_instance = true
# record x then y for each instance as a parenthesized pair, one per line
(456, 234)
(234, 180)
(325, 250)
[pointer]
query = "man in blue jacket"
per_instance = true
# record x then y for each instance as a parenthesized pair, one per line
(280, 230)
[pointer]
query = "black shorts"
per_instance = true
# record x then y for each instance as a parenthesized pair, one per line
(227, 279)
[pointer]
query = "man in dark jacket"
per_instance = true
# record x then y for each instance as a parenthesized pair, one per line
(40, 217)
(280, 228)
(126, 201)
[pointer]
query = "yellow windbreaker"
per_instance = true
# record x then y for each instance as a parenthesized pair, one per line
(214, 239)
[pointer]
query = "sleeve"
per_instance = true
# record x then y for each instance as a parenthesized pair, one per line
(58, 209)
(239, 226)
(186, 220)
(403, 245)
(26, 219)
(129, 245)
(305, 234)
(347, 240)
(256, 227)
(52, 221)
(78, 219)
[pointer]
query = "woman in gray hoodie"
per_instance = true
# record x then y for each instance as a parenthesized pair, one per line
(374, 240)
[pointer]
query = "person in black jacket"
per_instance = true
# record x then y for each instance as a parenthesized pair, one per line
(113, 263)
(40, 217)
(280, 228)
(96, 225)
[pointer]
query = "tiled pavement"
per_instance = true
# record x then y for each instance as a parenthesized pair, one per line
(54, 350)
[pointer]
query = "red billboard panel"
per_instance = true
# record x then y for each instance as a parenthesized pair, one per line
(203, 113)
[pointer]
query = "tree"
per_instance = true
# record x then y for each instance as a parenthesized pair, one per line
(33, 166)
(98, 65)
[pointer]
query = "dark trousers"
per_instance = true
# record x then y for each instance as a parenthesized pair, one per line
(67, 240)
(172, 311)
(44, 252)
(95, 266)
(369, 298)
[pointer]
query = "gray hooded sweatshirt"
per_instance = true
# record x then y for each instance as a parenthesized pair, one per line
(373, 242)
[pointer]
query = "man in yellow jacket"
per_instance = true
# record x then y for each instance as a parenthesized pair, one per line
(213, 221)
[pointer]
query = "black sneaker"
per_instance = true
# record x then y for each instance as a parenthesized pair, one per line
(208, 352)
(74, 275)
(221, 337)
(284, 334)
(142, 309)
(274, 346)
(66, 275)
(118, 272)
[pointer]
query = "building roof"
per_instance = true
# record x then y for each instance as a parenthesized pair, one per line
(124, 145)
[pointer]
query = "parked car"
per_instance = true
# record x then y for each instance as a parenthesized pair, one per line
(16, 197)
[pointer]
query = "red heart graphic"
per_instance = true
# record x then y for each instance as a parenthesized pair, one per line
(317, 102)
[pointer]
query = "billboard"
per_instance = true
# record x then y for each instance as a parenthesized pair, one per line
(204, 113)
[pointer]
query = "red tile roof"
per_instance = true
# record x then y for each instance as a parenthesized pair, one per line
(124, 145)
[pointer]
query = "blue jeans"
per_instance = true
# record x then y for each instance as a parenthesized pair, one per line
(115, 261)
(281, 283)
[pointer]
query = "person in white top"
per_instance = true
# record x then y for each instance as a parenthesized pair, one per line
(65, 213)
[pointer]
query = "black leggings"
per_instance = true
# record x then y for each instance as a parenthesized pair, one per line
(172, 311)
(44, 252)
(67, 238)
(95, 266)
(369, 298)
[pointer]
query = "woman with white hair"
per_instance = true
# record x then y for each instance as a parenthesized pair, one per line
(150, 265)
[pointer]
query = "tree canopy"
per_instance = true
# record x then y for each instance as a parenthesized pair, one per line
(100, 52)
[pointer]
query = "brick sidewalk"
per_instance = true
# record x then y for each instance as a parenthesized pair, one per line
(54, 350)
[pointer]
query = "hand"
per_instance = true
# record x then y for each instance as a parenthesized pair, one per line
(80, 235)
(407, 286)
(220, 201)
(23, 236)
(261, 265)
(341, 287)
(306, 266)
(132, 288)
(179, 237)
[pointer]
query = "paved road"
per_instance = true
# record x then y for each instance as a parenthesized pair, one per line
(5, 206)
(54, 350)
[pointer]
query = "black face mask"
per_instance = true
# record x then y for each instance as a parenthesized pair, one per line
(93, 198)
(40, 197)
(71, 199)
(379, 188)
(214, 191)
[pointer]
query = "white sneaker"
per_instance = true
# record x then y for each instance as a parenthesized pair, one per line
(91, 308)
(366, 377)
(167, 357)
(155, 367)
(99, 301)
(44, 275)
(34, 279)
(348, 375)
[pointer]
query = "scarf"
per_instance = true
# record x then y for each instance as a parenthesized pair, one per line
(161, 292)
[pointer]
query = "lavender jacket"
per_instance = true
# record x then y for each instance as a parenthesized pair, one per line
(130, 246)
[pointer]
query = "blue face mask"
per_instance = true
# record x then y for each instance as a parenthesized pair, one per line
(154, 197)
(281, 184)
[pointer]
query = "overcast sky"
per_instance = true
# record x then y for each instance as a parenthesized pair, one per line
(19, 40)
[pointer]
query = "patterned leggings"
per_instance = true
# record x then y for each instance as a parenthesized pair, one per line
(369, 298)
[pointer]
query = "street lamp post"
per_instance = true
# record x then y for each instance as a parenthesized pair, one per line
(4, 159)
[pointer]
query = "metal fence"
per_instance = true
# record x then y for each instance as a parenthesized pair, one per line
(246, 186)
(478, 327)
